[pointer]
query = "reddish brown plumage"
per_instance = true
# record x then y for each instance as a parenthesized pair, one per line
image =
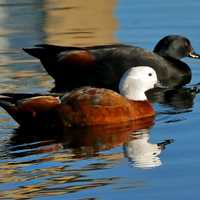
(38, 104)
(77, 58)
(92, 106)
(82, 107)
(30, 111)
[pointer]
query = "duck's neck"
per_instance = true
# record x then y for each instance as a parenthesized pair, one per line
(167, 54)
(136, 96)
(142, 108)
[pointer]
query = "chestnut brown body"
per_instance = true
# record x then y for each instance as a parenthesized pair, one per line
(82, 107)
(94, 106)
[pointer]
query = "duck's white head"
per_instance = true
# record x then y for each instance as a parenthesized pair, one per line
(136, 81)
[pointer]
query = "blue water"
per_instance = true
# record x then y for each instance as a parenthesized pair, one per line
(38, 168)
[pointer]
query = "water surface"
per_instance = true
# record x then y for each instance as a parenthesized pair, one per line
(128, 164)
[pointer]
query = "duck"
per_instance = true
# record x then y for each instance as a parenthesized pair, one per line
(87, 106)
(103, 65)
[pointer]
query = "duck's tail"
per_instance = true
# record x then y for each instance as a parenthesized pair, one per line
(8, 104)
(42, 51)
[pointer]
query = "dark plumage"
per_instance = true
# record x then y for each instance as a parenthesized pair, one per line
(103, 66)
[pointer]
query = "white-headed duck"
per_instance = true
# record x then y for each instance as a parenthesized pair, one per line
(88, 106)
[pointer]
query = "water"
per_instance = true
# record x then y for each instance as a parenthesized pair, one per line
(98, 167)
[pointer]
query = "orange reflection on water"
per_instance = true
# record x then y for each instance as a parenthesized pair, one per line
(47, 164)
(80, 22)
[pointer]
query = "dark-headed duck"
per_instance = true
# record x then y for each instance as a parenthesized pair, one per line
(88, 106)
(103, 66)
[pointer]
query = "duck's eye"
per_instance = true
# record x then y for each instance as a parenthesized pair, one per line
(150, 74)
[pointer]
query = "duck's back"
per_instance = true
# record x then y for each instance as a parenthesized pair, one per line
(93, 106)
(103, 66)
(114, 60)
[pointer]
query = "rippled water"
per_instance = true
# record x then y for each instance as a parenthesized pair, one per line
(158, 161)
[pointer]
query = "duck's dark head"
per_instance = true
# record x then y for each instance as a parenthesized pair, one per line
(175, 46)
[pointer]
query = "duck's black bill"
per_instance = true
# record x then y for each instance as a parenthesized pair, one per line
(193, 55)
(166, 142)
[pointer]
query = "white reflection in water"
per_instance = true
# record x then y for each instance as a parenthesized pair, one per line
(142, 153)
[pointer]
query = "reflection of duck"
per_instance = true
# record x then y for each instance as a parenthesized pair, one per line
(179, 98)
(141, 153)
(103, 66)
(88, 106)
(82, 141)
(89, 141)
